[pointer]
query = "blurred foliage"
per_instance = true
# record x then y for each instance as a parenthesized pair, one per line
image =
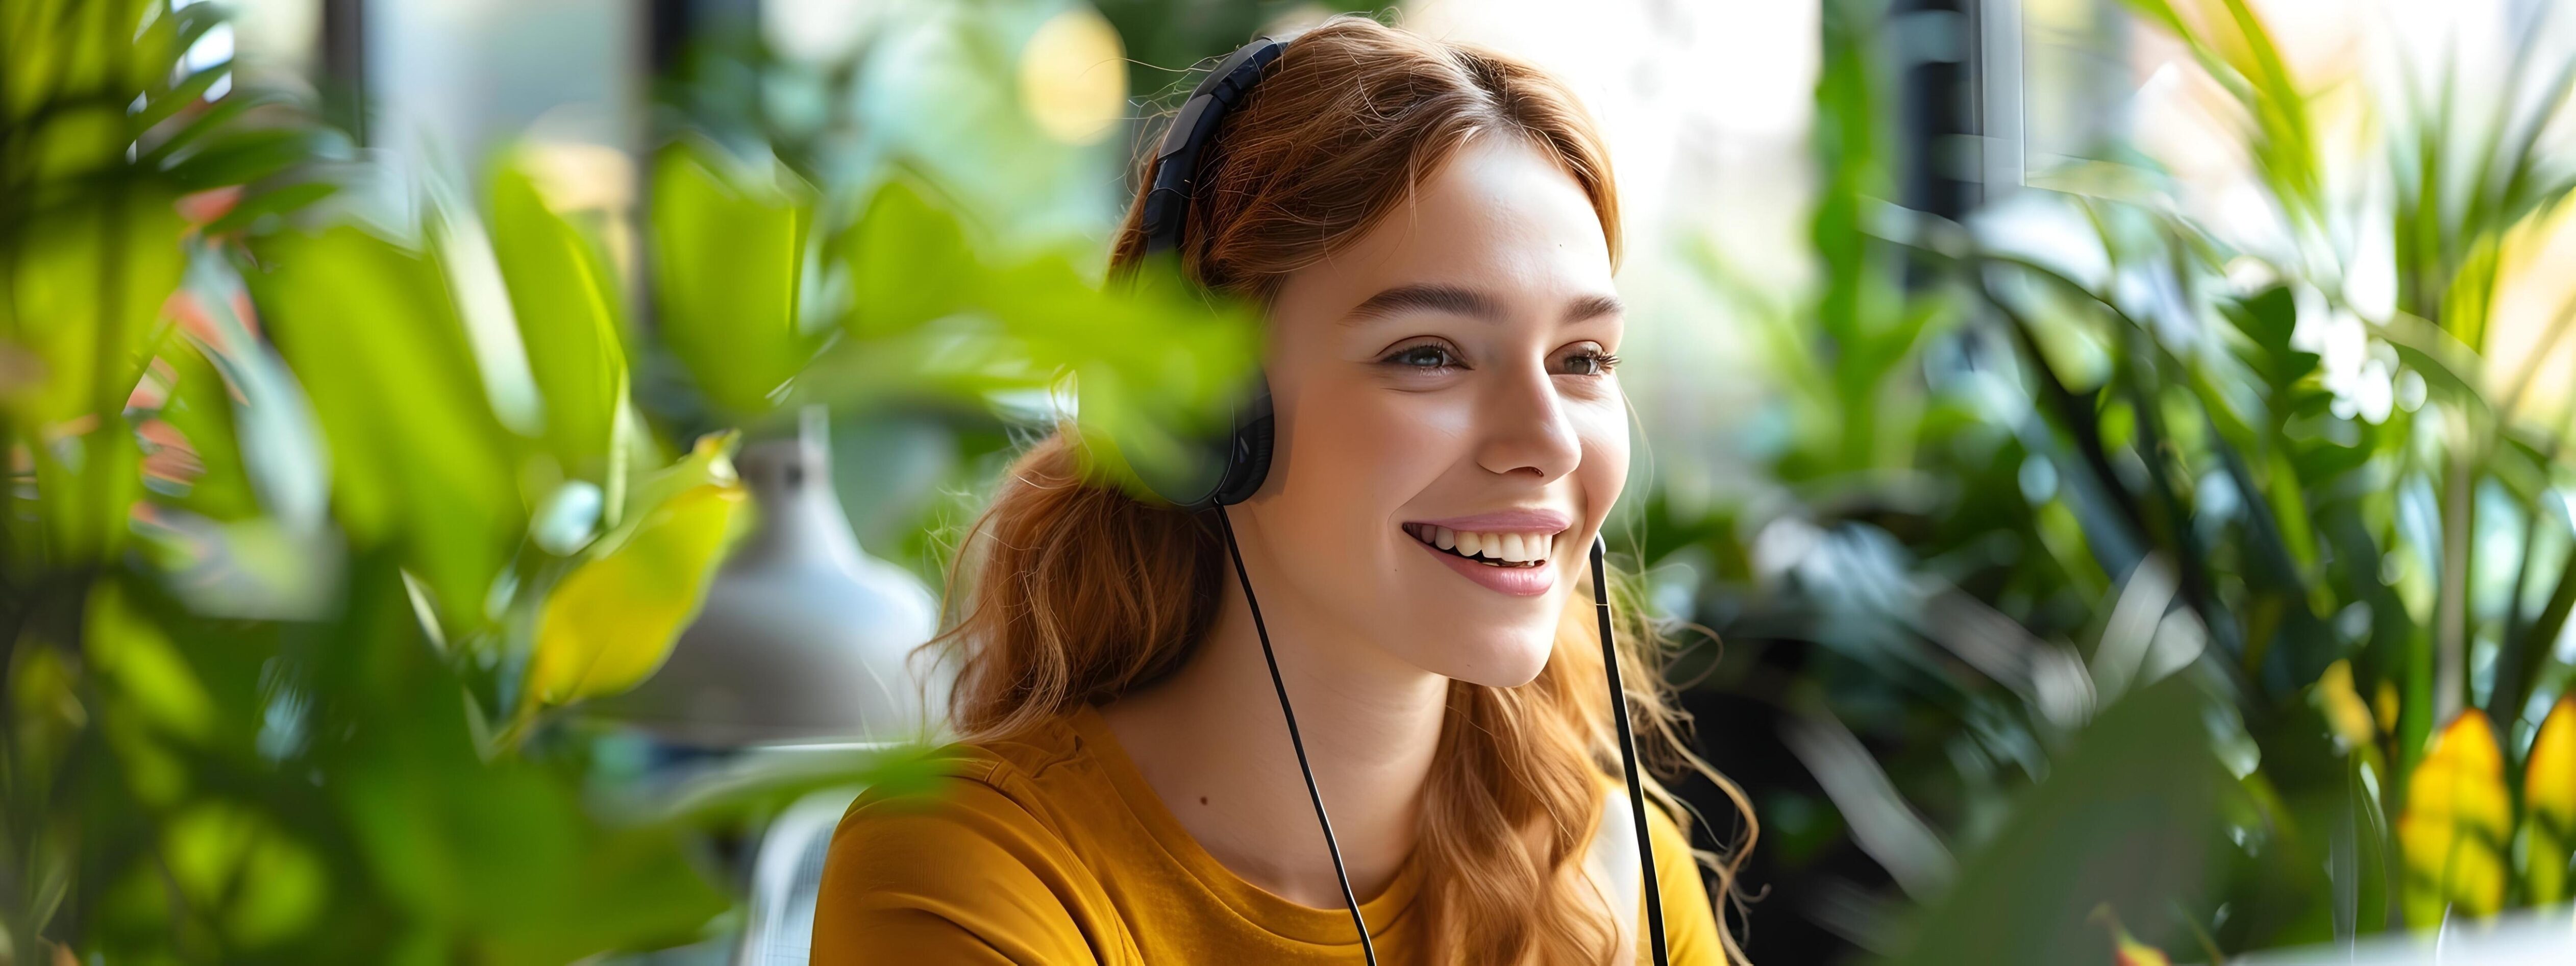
(2142, 566)
(2549, 806)
(2457, 825)
(927, 113)
(321, 525)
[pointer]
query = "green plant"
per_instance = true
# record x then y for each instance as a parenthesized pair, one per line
(2156, 470)
(318, 534)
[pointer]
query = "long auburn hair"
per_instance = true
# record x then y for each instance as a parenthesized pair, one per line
(1078, 593)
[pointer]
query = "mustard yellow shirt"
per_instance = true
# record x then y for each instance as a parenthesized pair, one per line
(1053, 849)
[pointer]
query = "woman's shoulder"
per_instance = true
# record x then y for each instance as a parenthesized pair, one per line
(1030, 775)
(991, 793)
(980, 859)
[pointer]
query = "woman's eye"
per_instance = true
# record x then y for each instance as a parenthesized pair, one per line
(1424, 357)
(1590, 362)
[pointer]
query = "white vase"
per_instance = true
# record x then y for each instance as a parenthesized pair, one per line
(803, 637)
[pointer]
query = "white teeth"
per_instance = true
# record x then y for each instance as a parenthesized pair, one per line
(1498, 547)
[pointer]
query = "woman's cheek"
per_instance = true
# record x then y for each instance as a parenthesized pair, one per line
(1352, 468)
(1604, 472)
(1401, 438)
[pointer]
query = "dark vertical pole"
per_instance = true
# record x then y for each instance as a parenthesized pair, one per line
(344, 66)
(1938, 152)
(667, 25)
(672, 25)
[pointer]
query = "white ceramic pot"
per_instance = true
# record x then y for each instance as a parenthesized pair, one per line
(803, 637)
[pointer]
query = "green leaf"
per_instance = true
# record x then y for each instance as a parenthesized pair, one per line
(77, 316)
(61, 50)
(243, 412)
(280, 200)
(2127, 817)
(191, 23)
(419, 461)
(2231, 42)
(262, 884)
(1155, 363)
(46, 711)
(744, 792)
(565, 299)
(149, 673)
(206, 122)
(2280, 483)
(185, 94)
(728, 253)
(909, 263)
(242, 157)
(490, 861)
(198, 412)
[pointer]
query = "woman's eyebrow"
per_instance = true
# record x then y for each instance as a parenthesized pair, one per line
(1455, 300)
(1425, 298)
(1593, 307)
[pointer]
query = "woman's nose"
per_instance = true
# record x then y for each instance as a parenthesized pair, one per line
(1523, 427)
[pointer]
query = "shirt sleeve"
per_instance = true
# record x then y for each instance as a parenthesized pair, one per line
(968, 878)
(1690, 920)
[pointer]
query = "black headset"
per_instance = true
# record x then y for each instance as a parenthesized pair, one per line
(1235, 466)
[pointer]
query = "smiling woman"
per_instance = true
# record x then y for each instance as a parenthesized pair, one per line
(1431, 231)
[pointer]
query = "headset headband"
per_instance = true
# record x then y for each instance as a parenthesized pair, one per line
(1176, 162)
(1234, 467)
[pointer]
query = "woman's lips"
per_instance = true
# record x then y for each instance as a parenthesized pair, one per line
(1516, 581)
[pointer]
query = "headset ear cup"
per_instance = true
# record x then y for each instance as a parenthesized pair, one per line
(1247, 461)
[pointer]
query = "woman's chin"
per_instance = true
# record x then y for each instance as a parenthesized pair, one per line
(1499, 659)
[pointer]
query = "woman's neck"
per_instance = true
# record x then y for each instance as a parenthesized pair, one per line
(1211, 741)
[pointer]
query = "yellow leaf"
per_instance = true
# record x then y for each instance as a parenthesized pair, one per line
(2343, 707)
(2126, 950)
(613, 619)
(2549, 807)
(2131, 952)
(2455, 826)
(709, 463)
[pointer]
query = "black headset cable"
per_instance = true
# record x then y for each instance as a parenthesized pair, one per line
(1628, 753)
(1297, 741)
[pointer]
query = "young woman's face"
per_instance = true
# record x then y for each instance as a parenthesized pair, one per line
(1444, 385)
